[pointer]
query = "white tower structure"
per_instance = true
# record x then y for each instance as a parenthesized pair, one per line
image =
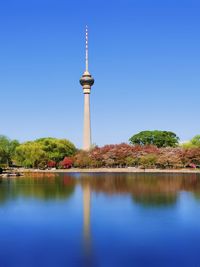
(86, 81)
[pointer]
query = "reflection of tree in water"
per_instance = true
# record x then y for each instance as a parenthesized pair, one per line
(43, 187)
(155, 199)
(146, 189)
(155, 192)
(192, 184)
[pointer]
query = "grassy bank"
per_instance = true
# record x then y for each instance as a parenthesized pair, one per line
(113, 170)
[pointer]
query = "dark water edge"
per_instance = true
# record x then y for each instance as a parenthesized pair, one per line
(105, 219)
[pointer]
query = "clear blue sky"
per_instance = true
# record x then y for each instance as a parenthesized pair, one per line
(144, 56)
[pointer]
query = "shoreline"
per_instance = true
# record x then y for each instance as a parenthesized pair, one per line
(111, 170)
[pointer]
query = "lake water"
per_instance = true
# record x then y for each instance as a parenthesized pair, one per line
(100, 220)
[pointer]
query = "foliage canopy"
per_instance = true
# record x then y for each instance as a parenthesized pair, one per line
(7, 150)
(156, 138)
(193, 143)
(37, 153)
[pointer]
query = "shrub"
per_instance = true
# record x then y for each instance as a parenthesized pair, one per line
(130, 161)
(66, 163)
(51, 164)
(82, 160)
(148, 161)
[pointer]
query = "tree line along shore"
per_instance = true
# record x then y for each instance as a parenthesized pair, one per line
(145, 150)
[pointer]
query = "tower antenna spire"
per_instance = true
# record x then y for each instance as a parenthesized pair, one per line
(86, 48)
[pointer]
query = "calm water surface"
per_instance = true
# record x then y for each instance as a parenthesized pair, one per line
(100, 220)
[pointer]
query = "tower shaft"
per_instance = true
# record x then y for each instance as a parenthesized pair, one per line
(87, 124)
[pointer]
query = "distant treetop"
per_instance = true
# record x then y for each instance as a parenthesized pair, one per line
(193, 143)
(157, 138)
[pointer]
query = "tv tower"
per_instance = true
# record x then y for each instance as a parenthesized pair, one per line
(86, 81)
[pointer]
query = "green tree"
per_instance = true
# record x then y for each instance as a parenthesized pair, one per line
(196, 141)
(56, 149)
(193, 143)
(157, 138)
(30, 154)
(7, 150)
(36, 154)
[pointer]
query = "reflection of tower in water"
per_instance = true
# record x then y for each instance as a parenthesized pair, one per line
(86, 222)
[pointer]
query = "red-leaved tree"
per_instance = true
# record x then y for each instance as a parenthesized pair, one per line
(51, 164)
(66, 163)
